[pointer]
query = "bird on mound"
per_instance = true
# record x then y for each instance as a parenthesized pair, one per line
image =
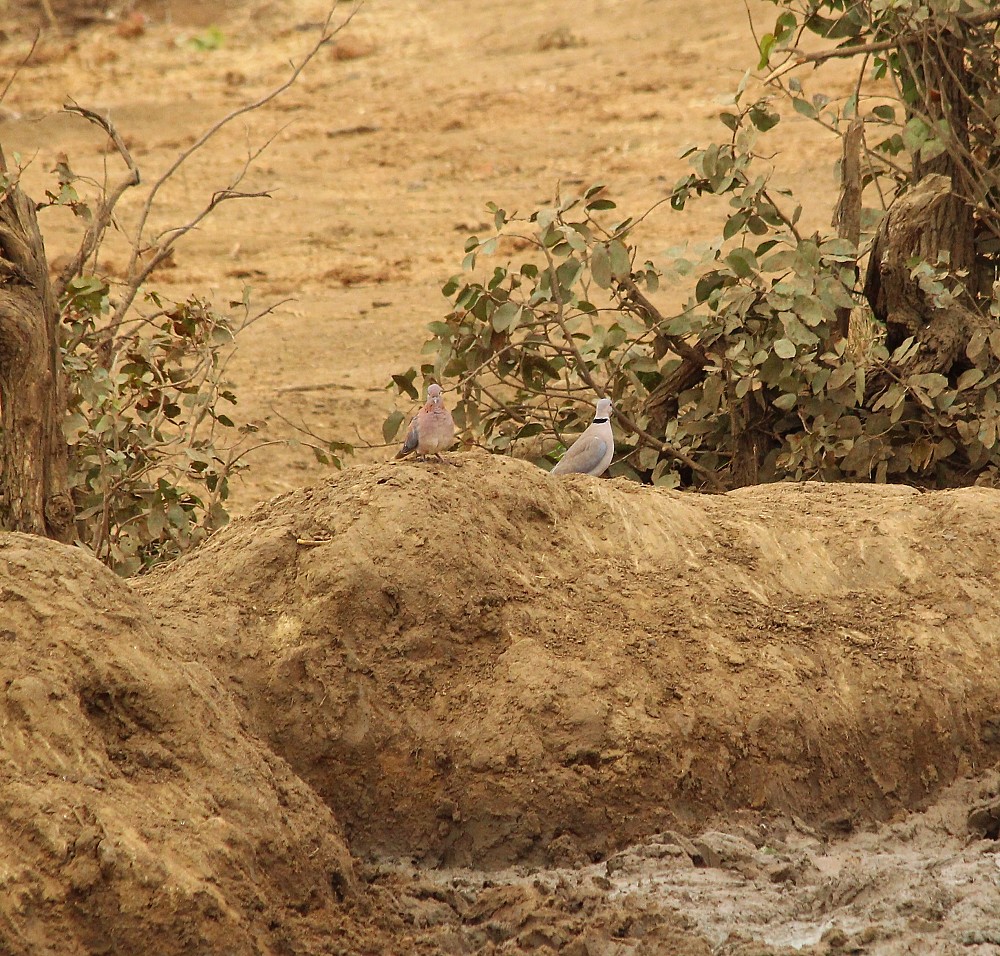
(432, 430)
(591, 453)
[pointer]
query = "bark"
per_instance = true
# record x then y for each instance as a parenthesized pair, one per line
(936, 61)
(661, 405)
(847, 215)
(920, 223)
(935, 220)
(34, 494)
(751, 442)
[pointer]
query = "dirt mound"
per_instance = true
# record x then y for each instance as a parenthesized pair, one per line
(137, 814)
(483, 664)
(140, 815)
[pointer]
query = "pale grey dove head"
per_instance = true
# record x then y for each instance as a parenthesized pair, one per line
(592, 452)
(432, 430)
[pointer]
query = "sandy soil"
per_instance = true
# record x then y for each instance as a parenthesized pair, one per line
(382, 714)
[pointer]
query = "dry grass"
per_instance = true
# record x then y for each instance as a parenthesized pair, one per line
(864, 333)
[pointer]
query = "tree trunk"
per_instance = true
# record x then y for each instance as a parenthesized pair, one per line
(34, 495)
(751, 442)
(847, 215)
(934, 221)
(937, 64)
(919, 224)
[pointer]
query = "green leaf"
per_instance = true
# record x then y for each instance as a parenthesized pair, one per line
(743, 262)
(529, 430)
(785, 23)
(621, 263)
(805, 108)
(968, 378)
(977, 342)
(600, 204)
(786, 401)
(932, 149)
(506, 317)
(887, 113)
(600, 266)
(404, 383)
(932, 382)
(915, 134)
(764, 119)
(767, 42)
(568, 272)
(784, 349)
(840, 377)
(707, 284)
(734, 224)
(390, 427)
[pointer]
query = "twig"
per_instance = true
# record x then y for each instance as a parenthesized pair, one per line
(326, 35)
(20, 66)
(800, 59)
(165, 241)
(753, 29)
(102, 217)
(781, 215)
(584, 373)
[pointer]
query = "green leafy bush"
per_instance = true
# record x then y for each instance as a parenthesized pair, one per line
(754, 379)
(151, 447)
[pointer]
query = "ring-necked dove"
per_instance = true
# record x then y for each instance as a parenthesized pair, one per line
(432, 430)
(591, 453)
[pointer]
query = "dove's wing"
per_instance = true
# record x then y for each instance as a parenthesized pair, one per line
(585, 455)
(412, 438)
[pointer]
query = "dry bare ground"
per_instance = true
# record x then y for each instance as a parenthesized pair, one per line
(466, 708)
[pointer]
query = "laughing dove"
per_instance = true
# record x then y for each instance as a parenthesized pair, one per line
(432, 429)
(591, 453)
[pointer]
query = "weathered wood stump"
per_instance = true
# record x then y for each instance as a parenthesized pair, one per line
(919, 225)
(34, 482)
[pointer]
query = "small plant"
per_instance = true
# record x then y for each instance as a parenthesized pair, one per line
(212, 39)
(151, 446)
(114, 408)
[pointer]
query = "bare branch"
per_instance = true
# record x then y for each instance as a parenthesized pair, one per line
(797, 59)
(13, 76)
(584, 373)
(103, 216)
(326, 35)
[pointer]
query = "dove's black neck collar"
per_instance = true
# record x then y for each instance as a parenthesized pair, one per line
(599, 421)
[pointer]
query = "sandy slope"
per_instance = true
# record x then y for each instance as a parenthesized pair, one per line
(639, 721)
